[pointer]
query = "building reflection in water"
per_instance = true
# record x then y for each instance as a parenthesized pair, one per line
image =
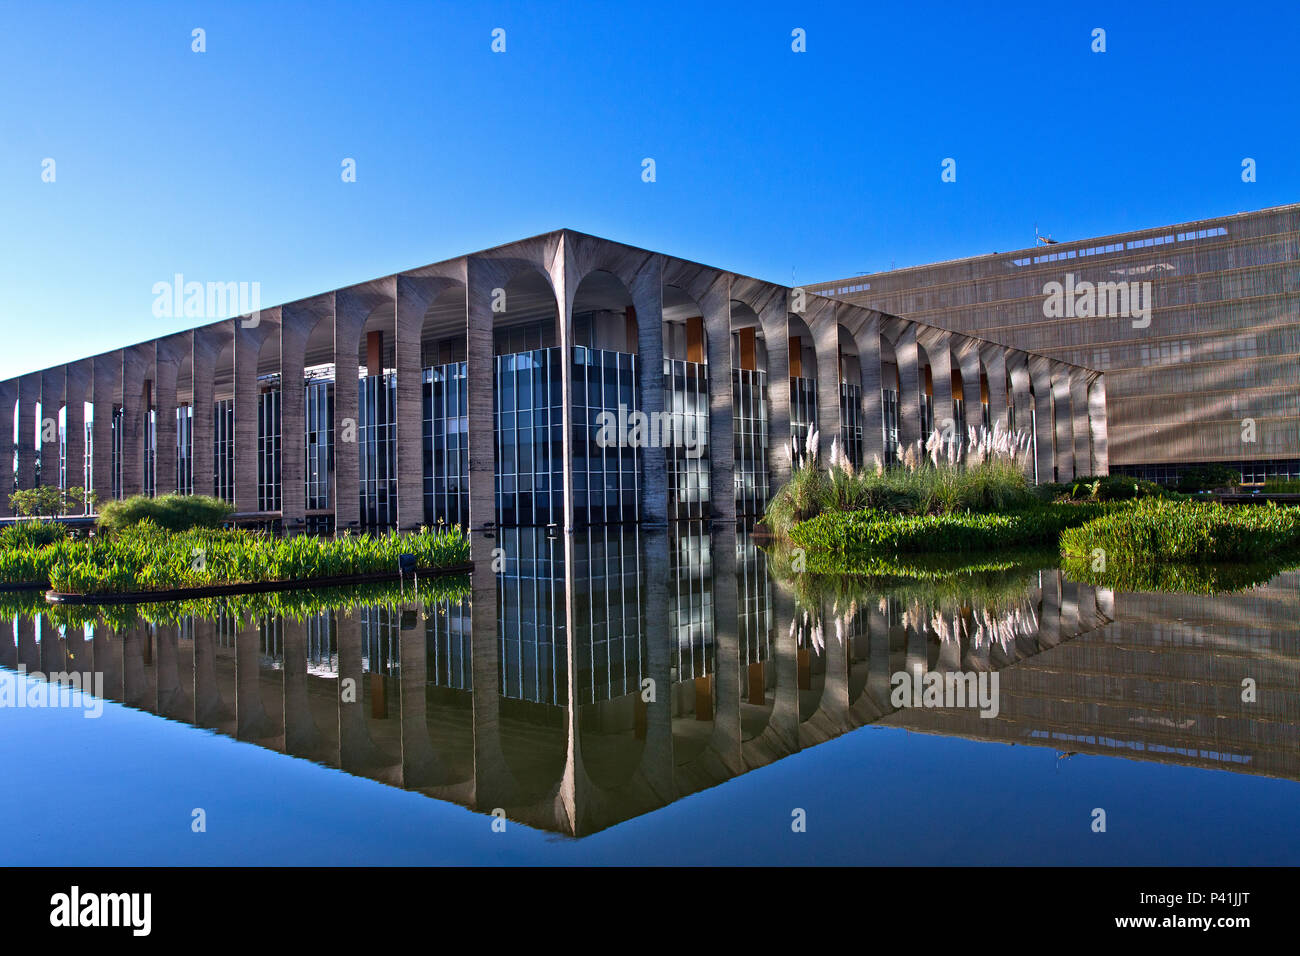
(685, 670)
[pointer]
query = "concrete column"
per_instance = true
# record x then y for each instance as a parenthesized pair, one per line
(350, 317)
(482, 276)
(8, 398)
(248, 348)
(171, 697)
(1097, 422)
(716, 305)
(938, 348)
(302, 738)
(647, 292)
(297, 323)
(564, 293)
(80, 385)
(879, 687)
(1064, 422)
(1049, 613)
(53, 382)
(252, 722)
(873, 433)
(1079, 421)
(107, 379)
(967, 359)
(727, 732)
(658, 755)
(137, 367)
(994, 358)
(909, 385)
(823, 322)
(1041, 376)
(136, 641)
(1018, 367)
(29, 651)
(29, 393)
(167, 359)
(205, 345)
(774, 318)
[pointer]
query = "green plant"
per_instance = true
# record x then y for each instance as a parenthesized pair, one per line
(862, 535)
(49, 501)
(931, 488)
(171, 512)
(1156, 530)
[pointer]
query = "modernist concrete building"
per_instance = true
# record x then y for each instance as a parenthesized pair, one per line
(1210, 374)
(475, 390)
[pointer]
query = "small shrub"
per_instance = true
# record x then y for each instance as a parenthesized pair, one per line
(169, 512)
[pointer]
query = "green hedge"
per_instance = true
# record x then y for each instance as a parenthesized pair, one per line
(170, 512)
(1186, 532)
(861, 534)
(144, 557)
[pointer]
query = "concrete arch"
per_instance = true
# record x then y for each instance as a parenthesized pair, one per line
(306, 340)
(432, 319)
(373, 306)
(256, 352)
(172, 356)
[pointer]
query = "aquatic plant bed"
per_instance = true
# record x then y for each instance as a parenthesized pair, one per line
(870, 533)
(257, 587)
(145, 559)
(1185, 532)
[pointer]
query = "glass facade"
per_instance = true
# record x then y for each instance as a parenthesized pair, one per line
(749, 430)
(531, 616)
(446, 444)
(606, 480)
(889, 422)
(318, 422)
(803, 410)
(851, 422)
(268, 450)
(151, 453)
(118, 423)
(377, 450)
(223, 449)
(527, 413)
(690, 614)
(686, 399)
(185, 449)
(448, 645)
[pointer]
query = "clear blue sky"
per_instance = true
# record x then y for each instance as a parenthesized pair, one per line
(225, 165)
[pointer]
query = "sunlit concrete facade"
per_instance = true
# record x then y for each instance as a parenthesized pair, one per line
(479, 388)
(1211, 375)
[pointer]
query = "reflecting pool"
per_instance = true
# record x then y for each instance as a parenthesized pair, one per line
(662, 696)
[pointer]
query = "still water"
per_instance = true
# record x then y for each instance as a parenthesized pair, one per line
(705, 711)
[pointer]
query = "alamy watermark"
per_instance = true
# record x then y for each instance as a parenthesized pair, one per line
(207, 300)
(952, 689)
(1081, 300)
(636, 429)
(66, 689)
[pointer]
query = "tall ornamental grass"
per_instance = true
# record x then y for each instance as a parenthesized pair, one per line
(924, 482)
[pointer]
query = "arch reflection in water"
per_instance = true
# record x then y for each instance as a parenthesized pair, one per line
(661, 692)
